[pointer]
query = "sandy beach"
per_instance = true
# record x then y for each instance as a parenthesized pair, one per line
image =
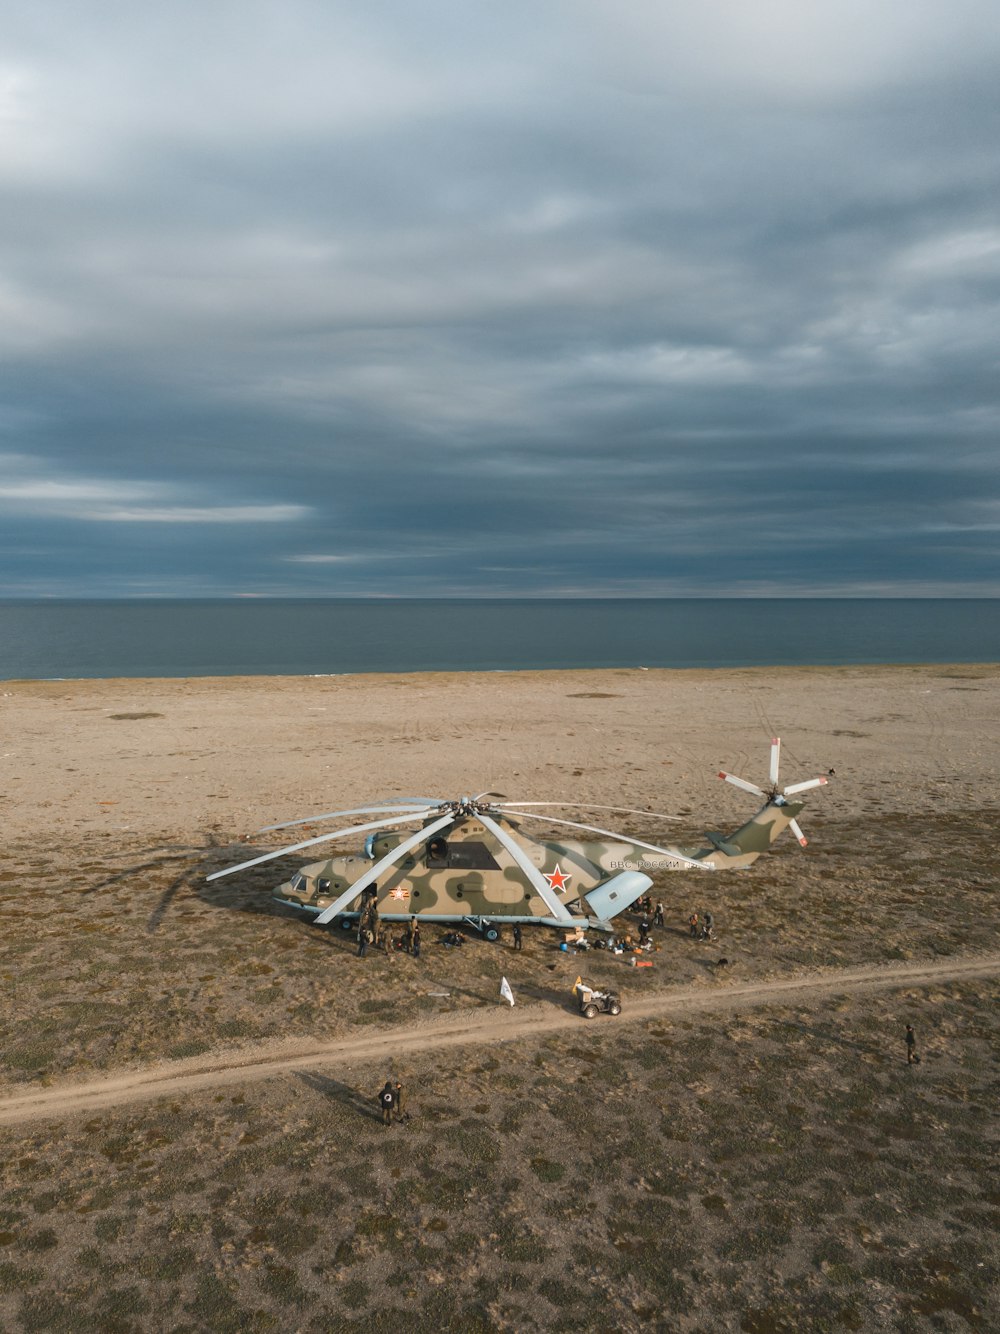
(121, 964)
(202, 758)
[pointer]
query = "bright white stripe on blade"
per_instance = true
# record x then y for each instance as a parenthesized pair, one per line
(310, 842)
(539, 882)
(621, 838)
(361, 810)
(373, 872)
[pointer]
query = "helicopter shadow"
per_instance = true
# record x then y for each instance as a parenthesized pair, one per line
(549, 995)
(251, 894)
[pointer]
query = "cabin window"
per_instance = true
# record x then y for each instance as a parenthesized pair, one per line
(323, 886)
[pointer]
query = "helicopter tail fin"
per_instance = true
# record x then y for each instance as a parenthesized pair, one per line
(746, 844)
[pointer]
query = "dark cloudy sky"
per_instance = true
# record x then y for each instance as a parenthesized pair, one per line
(569, 297)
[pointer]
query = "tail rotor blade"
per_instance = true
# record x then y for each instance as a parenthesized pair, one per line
(796, 830)
(742, 782)
(775, 757)
(804, 787)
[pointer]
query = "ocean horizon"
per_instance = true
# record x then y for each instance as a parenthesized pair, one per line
(93, 639)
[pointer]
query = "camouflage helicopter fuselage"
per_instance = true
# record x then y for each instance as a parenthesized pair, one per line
(469, 876)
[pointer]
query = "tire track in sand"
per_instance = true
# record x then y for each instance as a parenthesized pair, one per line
(233, 1067)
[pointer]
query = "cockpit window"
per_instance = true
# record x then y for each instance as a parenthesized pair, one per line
(437, 852)
(471, 857)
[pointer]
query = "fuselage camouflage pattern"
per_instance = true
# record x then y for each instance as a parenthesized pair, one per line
(469, 876)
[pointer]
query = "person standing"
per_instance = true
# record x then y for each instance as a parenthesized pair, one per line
(658, 915)
(517, 935)
(415, 940)
(911, 1047)
(398, 1094)
(408, 935)
(387, 1100)
(362, 939)
(693, 925)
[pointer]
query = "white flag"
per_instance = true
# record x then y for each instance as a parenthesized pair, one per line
(505, 990)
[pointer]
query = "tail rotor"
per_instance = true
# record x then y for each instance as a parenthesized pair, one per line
(774, 794)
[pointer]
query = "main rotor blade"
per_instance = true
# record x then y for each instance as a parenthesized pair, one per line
(404, 804)
(798, 832)
(309, 842)
(742, 782)
(373, 872)
(538, 881)
(623, 838)
(775, 755)
(588, 806)
(804, 787)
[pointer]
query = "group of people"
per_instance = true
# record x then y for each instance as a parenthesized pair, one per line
(701, 928)
(647, 909)
(371, 931)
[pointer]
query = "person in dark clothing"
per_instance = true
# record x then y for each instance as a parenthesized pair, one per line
(387, 1101)
(408, 935)
(707, 922)
(415, 940)
(517, 935)
(658, 915)
(643, 931)
(362, 940)
(911, 1047)
(693, 924)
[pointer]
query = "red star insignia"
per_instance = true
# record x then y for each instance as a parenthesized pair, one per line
(400, 893)
(557, 879)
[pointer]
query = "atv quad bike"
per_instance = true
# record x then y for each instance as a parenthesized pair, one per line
(593, 1003)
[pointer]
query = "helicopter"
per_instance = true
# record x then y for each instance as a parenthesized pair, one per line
(470, 862)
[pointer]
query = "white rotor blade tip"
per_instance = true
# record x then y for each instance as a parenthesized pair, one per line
(798, 833)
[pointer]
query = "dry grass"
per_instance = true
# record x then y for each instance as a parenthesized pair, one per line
(781, 1171)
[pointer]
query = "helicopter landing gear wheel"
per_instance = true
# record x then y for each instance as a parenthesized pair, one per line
(491, 933)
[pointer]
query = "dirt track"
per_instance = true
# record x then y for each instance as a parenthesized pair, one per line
(176, 1078)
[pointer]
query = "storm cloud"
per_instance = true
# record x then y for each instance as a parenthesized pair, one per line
(565, 299)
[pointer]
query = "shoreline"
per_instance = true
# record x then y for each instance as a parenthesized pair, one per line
(224, 678)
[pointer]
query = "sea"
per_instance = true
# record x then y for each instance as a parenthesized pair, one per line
(318, 637)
